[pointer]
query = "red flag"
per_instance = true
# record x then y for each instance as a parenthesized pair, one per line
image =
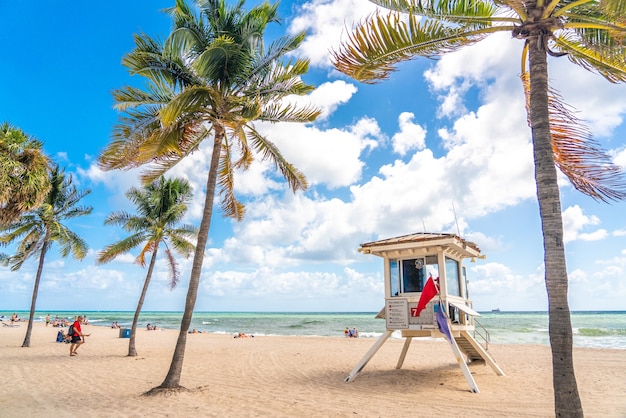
(429, 292)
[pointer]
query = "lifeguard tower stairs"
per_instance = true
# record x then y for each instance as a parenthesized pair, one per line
(427, 269)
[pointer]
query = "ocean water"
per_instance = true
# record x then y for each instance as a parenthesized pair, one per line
(591, 329)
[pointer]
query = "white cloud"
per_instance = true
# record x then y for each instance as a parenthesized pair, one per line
(331, 156)
(411, 136)
(574, 220)
(619, 158)
(476, 65)
(493, 285)
(600, 110)
(327, 97)
(325, 21)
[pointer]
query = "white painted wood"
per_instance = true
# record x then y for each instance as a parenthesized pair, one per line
(405, 348)
(361, 364)
(463, 365)
(463, 307)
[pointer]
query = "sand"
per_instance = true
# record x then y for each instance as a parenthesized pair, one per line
(271, 376)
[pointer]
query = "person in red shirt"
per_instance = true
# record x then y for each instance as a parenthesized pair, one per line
(76, 336)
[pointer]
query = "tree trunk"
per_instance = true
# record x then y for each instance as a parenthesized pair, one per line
(132, 352)
(31, 317)
(566, 399)
(172, 380)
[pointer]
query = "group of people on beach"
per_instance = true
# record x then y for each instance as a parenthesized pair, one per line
(351, 333)
(64, 322)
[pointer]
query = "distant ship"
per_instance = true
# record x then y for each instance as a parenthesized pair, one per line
(497, 310)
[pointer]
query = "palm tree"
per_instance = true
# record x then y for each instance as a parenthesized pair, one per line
(210, 79)
(43, 227)
(160, 206)
(23, 173)
(591, 34)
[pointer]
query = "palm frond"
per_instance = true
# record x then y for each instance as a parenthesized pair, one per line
(275, 52)
(269, 151)
(279, 81)
(231, 207)
(378, 44)
(578, 156)
(125, 245)
(469, 13)
(71, 243)
(192, 100)
(287, 112)
(117, 218)
(615, 9)
(132, 97)
(609, 62)
(246, 156)
(173, 267)
(222, 60)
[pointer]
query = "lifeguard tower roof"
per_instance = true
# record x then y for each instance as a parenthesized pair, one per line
(453, 243)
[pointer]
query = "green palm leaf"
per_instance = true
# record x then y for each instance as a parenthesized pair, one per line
(610, 63)
(377, 45)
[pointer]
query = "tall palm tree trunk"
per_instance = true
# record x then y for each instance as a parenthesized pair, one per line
(172, 380)
(132, 352)
(566, 399)
(31, 317)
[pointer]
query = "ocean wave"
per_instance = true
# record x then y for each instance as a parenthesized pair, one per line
(598, 332)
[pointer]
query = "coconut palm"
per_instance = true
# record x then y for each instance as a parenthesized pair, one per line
(591, 34)
(39, 229)
(210, 80)
(23, 173)
(160, 206)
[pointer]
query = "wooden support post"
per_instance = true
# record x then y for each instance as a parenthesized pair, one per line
(357, 369)
(405, 348)
(463, 365)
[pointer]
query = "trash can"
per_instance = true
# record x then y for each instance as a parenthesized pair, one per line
(124, 332)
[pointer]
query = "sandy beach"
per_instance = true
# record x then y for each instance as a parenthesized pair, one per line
(269, 376)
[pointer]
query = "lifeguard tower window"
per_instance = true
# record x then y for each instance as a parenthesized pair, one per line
(453, 277)
(410, 275)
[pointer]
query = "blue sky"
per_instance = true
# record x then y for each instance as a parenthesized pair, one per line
(439, 137)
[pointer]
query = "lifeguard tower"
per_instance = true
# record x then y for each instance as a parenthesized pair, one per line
(411, 261)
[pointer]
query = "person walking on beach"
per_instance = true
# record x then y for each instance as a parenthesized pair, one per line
(77, 341)
(47, 319)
